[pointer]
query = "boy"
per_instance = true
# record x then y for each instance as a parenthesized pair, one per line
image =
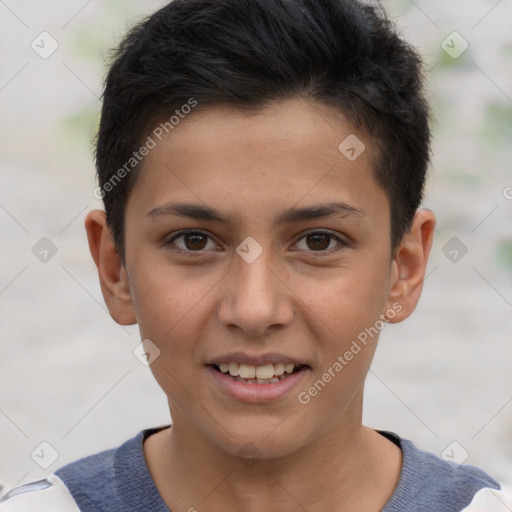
(261, 163)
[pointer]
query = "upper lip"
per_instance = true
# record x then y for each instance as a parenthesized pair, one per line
(256, 360)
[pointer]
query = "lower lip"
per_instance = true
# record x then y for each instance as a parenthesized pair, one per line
(256, 393)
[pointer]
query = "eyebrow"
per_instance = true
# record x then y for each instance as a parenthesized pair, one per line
(202, 212)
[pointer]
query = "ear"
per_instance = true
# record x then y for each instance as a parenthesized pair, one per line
(113, 277)
(409, 266)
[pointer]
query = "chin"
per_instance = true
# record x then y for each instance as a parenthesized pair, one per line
(261, 441)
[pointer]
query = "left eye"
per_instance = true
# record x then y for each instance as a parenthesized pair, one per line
(319, 241)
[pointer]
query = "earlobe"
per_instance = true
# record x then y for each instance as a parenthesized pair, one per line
(112, 274)
(409, 266)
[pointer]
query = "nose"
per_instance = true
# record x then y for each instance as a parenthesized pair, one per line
(255, 297)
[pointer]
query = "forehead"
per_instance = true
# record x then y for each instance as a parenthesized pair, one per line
(291, 152)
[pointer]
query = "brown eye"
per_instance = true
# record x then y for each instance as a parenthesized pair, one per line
(195, 241)
(321, 242)
(192, 241)
(318, 242)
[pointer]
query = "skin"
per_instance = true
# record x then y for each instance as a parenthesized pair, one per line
(294, 300)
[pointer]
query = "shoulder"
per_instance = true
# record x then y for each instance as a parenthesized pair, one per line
(444, 475)
(91, 468)
(58, 492)
(491, 500)
(429, 483)
(97, 482)
(48, 495)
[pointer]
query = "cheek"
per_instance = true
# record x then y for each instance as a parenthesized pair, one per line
(170, 313)
(349, 302)
(173, 306)
(168, 300)
(346, 326)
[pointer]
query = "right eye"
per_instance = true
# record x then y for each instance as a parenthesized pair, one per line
(191, 240)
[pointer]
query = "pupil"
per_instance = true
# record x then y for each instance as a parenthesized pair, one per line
(193, 241)
(319, 241)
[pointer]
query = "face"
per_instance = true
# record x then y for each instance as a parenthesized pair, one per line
(254, 248)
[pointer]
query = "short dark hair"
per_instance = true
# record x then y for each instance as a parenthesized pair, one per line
(248, 53)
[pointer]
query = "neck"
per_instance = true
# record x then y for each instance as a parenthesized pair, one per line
(352, 469)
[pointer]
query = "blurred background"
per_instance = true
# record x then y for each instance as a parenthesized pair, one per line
(70, 384)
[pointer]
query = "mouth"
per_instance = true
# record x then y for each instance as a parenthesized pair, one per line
(271, 373)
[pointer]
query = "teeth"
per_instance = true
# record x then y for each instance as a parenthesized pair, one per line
(265, 373)
(233, 369)
(279, 369)
(247, 371)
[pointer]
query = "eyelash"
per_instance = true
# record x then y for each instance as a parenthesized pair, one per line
(320, 253)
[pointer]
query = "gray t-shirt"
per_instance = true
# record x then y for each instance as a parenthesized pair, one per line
(118, 480)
